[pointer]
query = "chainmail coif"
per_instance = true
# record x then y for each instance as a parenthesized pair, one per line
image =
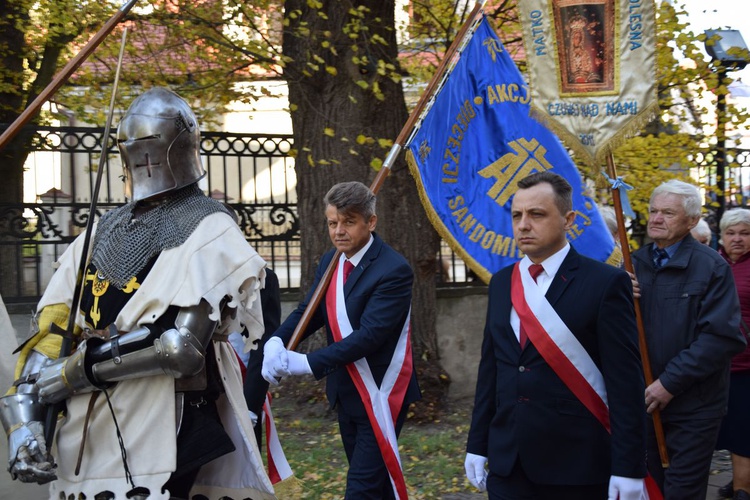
(123, 245)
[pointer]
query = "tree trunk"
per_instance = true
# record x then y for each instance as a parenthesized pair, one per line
(347, 107)
(13, 16)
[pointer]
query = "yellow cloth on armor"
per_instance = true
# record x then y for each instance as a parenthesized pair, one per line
(42, 341)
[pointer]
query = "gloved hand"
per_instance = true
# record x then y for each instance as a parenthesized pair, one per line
(625, 488)
(298, 364)
(475, 471)
(275, 361)
(273, 347)
(28, 458)
(253, 417)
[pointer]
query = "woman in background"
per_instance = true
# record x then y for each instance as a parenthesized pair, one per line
(735, 433)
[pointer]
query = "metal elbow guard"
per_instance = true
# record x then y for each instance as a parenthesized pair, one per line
(180, 353)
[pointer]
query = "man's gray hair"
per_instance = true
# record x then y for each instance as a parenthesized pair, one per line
(692, 201)
(352, 197)
(733, 217)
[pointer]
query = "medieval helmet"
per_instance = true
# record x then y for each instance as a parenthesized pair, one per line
(159, 142)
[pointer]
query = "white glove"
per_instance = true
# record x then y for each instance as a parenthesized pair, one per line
(625, 488)
(298, 364)
(475, 471)
(275, 361)
(273, 347)
(253, 417)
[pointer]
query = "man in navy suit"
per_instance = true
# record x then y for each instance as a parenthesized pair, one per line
(558, 411)
(367, 362)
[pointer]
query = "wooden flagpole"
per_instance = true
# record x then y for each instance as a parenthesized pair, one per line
(647, 374)
(406, 131)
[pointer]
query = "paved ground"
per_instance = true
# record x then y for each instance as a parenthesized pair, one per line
(721, 474)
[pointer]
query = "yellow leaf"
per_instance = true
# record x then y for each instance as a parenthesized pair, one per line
(331, 70)
(329, 132)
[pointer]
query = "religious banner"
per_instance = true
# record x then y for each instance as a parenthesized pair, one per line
(591, 70)
(471, 148)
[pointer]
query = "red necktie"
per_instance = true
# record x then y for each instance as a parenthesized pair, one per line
(534, 270)
(348, 268)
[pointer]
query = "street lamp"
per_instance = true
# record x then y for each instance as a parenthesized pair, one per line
(730, 53)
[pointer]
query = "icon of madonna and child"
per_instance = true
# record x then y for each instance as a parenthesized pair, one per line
(585, 42)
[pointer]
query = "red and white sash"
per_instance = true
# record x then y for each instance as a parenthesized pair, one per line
(278, 466)
(564, 353)
(384, 403)
(558, 346)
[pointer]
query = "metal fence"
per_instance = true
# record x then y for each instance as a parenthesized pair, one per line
(737, 173)
(253, 174)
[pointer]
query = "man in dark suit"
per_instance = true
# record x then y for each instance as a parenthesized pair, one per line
(541, 425)
(368, 363)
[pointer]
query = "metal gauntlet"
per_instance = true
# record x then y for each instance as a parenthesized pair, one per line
(28, 457)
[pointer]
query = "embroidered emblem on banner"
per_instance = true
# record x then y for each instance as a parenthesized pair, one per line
(473, 146)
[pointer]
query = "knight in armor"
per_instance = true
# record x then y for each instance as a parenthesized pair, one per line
(153, 392)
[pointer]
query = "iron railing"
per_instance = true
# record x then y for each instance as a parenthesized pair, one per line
(253, 174)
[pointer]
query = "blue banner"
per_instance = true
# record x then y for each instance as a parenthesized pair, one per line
(476, 142)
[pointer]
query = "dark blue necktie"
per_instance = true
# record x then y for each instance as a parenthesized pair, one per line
(660, 257)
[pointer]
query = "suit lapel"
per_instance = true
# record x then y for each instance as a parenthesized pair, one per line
(564, 277)
(367, 259)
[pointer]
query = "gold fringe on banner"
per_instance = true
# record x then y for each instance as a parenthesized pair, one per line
(437, 223)
(631, 129)
(615, 258)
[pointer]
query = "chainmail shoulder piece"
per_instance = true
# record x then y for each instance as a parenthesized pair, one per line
(124, 244)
